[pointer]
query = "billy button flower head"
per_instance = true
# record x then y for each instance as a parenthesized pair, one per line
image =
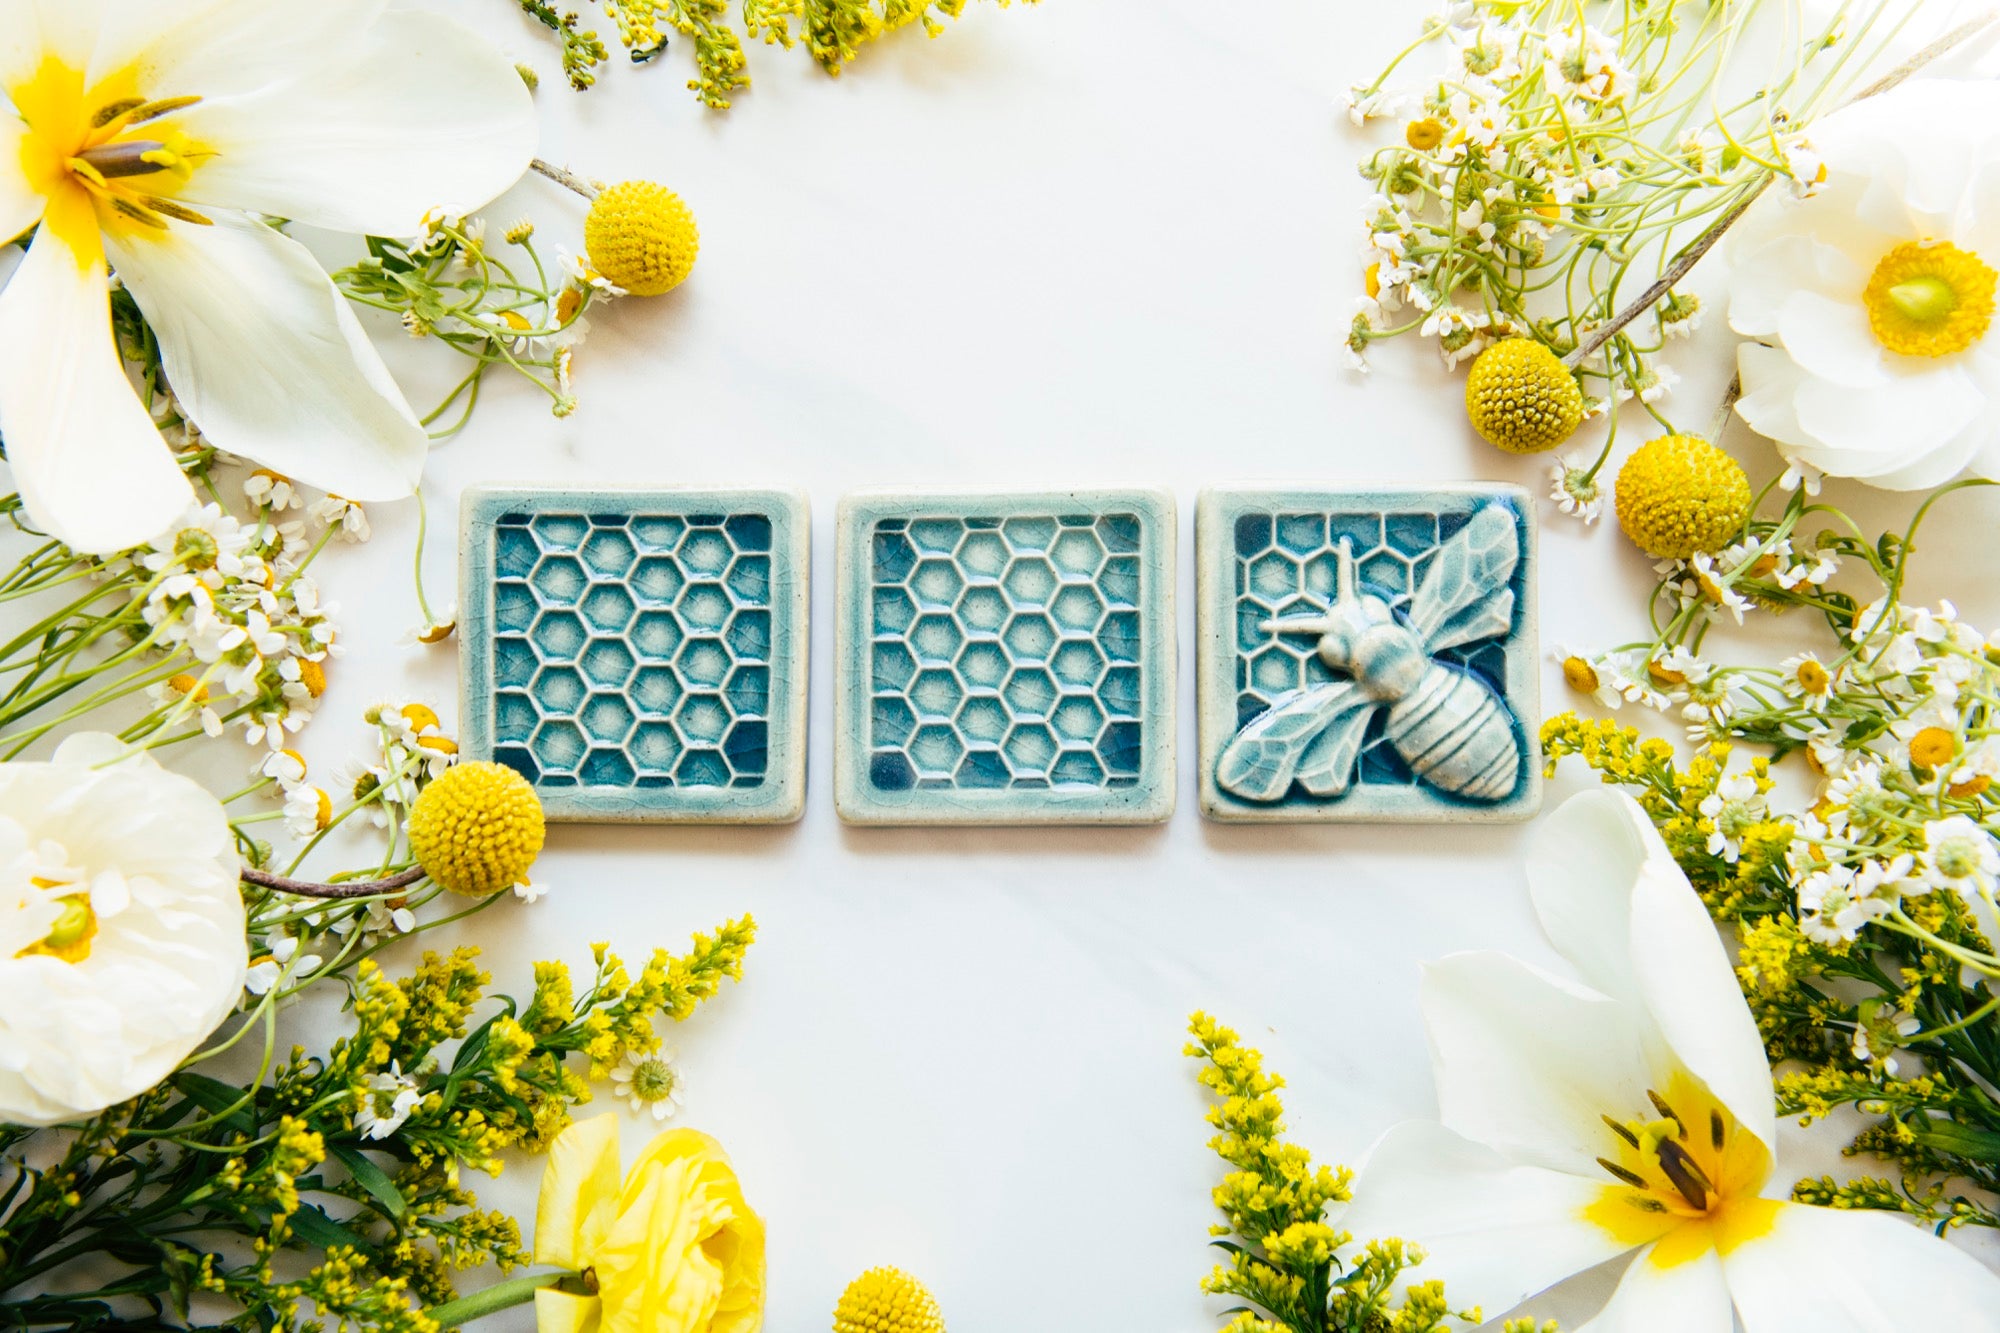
(1521, 398)
(641, 237)
(1680, 496)
(887, 1300)
(476, 828)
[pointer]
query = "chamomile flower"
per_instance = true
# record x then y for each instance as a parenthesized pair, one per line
(1731, 810)
(1959, 854)
(1805, 678)
(531, 891)
(308, 810)
(649, 1082)
(282, 961)
(387, 1103)
(1582, 673)
(1575, 489)
(1831, 911)
(343, 515)
(271, 490)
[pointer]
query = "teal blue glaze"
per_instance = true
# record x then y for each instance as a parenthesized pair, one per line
(1005, 658)
(639, 654)
(1267, 555)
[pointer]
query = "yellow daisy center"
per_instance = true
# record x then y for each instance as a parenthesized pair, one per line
(1812, 677)
(1580, 675)
(1928, 299)
(1932, 747)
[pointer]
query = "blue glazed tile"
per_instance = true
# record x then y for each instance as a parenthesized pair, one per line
(1367, 655)
(639, 654)
(1005, 659)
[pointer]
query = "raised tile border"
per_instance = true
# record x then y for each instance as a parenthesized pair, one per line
(1224, 603)
(1041, 751)
(697, 701)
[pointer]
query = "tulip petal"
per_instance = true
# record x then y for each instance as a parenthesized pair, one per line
(428, 116)
(212, 48)
(89, 462)
(20, 206)
(1652, 1298)
(1494, 1231)
(1582, 864)
(579, 1193)
(1839, 1271)
(1684, 973)
(31, 30)
(269, 359)
(1528, 1064)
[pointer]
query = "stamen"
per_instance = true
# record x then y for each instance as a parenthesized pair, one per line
(1687, 1177)
(144, 216)
(135, 157)
(111, 111)
(1660, 1105)
(1647, 1203)
(165, 106)
(1632, 1178)
(178, 212)
(1716, 1129)
(1621, 1131)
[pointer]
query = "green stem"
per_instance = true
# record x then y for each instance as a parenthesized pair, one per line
(500, 1296)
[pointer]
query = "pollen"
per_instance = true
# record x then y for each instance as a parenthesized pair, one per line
(1930, 299)
(1521, 398)
(640, 236)
(188, 687)
(313, 676)
(1679, 496)
(1932, 747)
(887, 1300)
(477, 828)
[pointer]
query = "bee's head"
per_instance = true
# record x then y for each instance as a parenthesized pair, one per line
(1353, 614)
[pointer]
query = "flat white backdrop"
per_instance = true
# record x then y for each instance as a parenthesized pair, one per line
(1093, 242)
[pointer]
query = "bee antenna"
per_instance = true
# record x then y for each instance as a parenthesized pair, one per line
(1350, 590)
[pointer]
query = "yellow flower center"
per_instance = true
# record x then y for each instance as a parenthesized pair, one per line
(188, 686)
(419, 717)
(313, 676)
(1688, 1178)
(1812, 677)
(1932, 747)
(69, 939)
(1424, 135)
(102, 155)
(652, 1079)
(1930, 299)
(1580, 675)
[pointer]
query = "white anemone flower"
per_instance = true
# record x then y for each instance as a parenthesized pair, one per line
(1872, 302)
(1629, 1111)
(153, 138)
(121, 928)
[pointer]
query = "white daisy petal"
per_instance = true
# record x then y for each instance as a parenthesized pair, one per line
(1527, 1063)
(1652, 1298)
(1494, 1231)
(269, 358)
(1836, 1271)
(424, 118)
(62, 388)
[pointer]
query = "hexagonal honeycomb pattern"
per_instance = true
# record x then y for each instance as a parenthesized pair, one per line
(1004, 653)
(632, 650)
(1286, 565)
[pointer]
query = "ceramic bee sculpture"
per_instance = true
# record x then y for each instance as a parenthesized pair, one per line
(1453, 731)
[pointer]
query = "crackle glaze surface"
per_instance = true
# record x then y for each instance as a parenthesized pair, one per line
(639, 655)
(1005, 659)
(1269, 555)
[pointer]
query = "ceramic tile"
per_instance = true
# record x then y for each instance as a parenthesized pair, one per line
(639, 654)
(1411, 696)
(1005, 658)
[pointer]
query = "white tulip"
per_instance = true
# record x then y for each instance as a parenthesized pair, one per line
(1872, 301)
(152, 137)
(1629, 1111)
(121, 928)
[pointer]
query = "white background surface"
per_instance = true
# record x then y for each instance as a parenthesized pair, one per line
(1091, 242)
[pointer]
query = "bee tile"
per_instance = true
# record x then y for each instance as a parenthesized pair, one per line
(1005, 658)
(639, 655)
(1367, 655)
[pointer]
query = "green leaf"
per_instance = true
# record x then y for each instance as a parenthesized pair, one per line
(214, 1096)
(372, 1178)
(1968, 1141)
(321, 1232)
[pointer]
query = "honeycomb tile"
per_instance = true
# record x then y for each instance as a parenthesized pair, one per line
(1005, 659)
(1275, 555)
(640, 654)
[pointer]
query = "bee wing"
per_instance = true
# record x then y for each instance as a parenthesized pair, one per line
(1464, 596)
(1327, 767)
(1263, 759)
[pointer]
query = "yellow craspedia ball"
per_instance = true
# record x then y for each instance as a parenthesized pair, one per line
(1679, 496)
(477, 828)
(887, 1300)
(641, 236)
(1521, 398)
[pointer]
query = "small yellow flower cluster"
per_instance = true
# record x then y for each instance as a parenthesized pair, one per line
(1521, 398)
(477, 828)
(1680, 496)
(641, 237)
(887, 1300)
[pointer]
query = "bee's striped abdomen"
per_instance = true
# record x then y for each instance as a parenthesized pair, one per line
(1455, 733)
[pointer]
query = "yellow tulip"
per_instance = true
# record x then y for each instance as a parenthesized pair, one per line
(672, 1248)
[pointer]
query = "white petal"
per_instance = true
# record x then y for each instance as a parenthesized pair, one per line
(91, 466)
(269, 359)
(1582, 864)
(1886, 426)
(20, 206)
(1836, 1271)
(33, 29)
(1683, 971)
(1830, 337)
(428, 116)
(1495, 1232)
(213, 48)
(1771, 381)
(1527, 1064)
(1761, 280)
(1685, 1297)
